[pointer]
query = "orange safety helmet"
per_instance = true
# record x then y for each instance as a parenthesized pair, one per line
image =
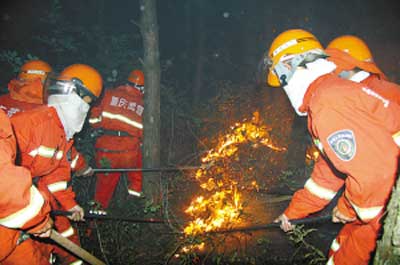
(136, 77)
(290, 42)
(352, 45)
(89, 78)
(34, 69)
(358, 52)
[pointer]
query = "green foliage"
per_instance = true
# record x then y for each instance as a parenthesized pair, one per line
(307, 253)
(150, 207)
(109, 52)
(14, 59)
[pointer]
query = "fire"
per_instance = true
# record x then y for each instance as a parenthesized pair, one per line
(312, 154)
(222, 205)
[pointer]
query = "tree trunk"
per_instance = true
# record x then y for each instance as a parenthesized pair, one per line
(388, 248)
(199, 52)
(151, 154)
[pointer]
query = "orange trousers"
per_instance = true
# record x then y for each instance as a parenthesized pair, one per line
(107, 182)
(27, 252)
(355, 243)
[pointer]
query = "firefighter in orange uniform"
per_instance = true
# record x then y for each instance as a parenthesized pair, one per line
(44, 135)
(118, 121)
(25, 91)
(354, 61)
(23, 207)
(357, 131)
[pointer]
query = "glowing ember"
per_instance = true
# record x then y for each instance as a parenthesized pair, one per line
(223, 204)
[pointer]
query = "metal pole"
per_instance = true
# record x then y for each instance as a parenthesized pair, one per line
(103, 216)
(105, 170)
(309, 220)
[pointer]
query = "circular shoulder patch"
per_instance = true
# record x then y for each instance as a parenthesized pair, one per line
(343, 144)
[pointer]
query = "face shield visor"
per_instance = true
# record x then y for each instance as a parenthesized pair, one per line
(62, 85)
(287, 64)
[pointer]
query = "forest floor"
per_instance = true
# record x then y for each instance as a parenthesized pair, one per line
(277, 175)
(118, 242)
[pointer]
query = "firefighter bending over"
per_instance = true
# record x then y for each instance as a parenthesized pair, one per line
(357, 131)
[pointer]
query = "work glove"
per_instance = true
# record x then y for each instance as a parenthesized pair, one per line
(338, 217)
(77, 213)
(45, 231)
(285, 224)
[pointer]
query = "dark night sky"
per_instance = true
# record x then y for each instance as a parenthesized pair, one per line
(236, 32)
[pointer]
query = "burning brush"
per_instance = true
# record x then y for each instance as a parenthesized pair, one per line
(221, 206)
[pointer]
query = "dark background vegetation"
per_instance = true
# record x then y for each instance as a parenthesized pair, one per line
(236, 33)
(210, 52)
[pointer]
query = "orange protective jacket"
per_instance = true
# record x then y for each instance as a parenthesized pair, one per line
(22, 205)
(43, 148)
(358, 131)
(12, 105)
(121, 109)
(385, 88)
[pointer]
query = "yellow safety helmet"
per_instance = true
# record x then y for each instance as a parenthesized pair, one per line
(352, 45)
(290, 42)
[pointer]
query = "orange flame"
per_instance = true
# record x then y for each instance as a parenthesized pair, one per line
(223, 206)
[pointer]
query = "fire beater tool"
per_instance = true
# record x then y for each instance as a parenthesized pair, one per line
(75, 249)
(309, 220)
(156, 169)
(103, 215)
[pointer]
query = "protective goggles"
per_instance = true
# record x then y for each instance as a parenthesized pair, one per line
(65, 86)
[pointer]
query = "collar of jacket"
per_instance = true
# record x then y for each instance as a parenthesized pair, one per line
(310, 91)
(53, 113)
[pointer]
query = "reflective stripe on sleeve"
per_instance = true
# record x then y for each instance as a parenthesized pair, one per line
(18, 219)
(46, 152)
(87, 170)
(335, 245)
(396, 138)
(95, 120)
(319, 191)
(134, 193)
(77, 262)
(123, 119)
(367, 213)
(57, 186)
(330, 261)
(69, 232)
(74, 161)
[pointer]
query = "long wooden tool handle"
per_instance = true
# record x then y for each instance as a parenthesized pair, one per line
(75, 249)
